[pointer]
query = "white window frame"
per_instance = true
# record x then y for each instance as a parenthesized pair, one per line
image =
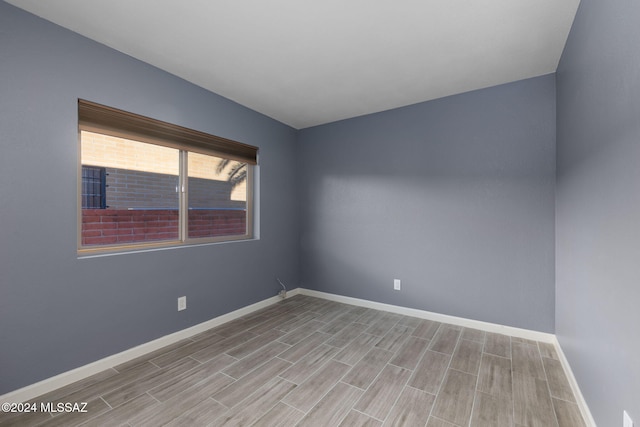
(104, 120)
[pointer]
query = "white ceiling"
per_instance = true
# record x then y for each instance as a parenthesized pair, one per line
(306, 63)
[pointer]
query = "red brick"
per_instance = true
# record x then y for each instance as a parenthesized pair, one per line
(159, 236)
(173, 229)
(158, 224)
(123, 231)
(90, 218)
(172, 217)
(123, 218)
(99, 240)
(98, 226)
(139, 232)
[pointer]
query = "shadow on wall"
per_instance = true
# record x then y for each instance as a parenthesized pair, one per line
(461, 247)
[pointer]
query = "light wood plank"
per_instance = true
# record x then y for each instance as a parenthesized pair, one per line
(466, 357)
(256, 404)
(365, 371)
(411, 322)
(380, 397)
(113, 382)
(445, 339)
(236, 392)
(347, 335)
(412, 409)
(175, 407)
(524, 341)
(154, 354)
(311, 391)
(395, 338)
(200, 415)
(370, 316)
(492, 411)
(473, 335)
(426, 329)
(211, 351)
(437, 422)
(527, 361)
(269, 323)
(358, 419)
(254, 344)
(497, 344)
(305, 367)
(339, 323)
(254, 361)
(226, 330)
(548, 350)
(61, 394)
(330, 312)
(532, 402)
(557, 379)
(186, 350)
(333, 407)
(304, 347)
(293, 323)
(280, 415)
(494, 377)
(383, 325)
(141, 385)
(410, 353)
(302, 332)
(190, 378)
(120, 415)
(568, 414)
(455, 399)
(430, 372)
(355, 351)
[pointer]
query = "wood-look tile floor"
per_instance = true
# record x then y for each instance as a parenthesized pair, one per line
(310, 362)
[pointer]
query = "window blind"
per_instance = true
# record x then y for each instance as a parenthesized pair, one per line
(96, 117)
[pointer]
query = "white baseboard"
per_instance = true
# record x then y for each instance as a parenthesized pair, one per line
(582, 404)
(45, 386)
(27, 393)
(476, 324)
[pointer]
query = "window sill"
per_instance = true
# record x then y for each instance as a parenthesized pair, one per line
(86, 253)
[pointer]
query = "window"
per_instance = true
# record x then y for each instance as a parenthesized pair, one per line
(94, 181)
(147, 183)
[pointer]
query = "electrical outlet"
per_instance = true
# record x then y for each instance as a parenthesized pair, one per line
(628, 422)
(396, 284)
(182, 303)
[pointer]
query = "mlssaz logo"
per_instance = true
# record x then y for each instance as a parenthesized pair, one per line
(52, 407)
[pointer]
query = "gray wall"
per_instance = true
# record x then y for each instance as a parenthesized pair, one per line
(58, 312)
(455, 197)
(598, 207)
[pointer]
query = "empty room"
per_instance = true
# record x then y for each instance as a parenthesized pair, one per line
(301, 213)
